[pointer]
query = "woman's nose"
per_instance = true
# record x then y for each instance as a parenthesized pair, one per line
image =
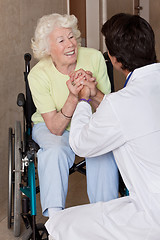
(69, 43)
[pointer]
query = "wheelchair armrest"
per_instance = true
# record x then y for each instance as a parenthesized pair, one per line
(21, 100)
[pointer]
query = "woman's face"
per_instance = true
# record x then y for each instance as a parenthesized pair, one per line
(63, 47)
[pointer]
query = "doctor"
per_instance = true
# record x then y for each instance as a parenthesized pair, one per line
(128, 123)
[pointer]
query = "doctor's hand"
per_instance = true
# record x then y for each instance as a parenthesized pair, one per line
(91, 85)
(84, 93)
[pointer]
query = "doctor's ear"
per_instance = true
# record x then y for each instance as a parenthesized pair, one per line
(117, 65)
(112, 58)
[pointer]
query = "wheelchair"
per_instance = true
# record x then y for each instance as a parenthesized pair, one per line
(22, 176)
(22, 161)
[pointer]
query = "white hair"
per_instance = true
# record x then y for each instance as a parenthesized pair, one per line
(46, 24)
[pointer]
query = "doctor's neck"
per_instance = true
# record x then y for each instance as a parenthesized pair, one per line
(125, 72)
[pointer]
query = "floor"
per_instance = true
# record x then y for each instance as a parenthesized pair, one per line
(76, 196)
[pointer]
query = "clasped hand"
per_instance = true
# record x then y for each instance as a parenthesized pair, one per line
(82, 84)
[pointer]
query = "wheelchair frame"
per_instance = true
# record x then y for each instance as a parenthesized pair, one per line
(21, 166)
(21, 169)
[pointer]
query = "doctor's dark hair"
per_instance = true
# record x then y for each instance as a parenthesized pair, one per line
(131, 40)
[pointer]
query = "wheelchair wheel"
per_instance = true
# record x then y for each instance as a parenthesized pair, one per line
(10, 177)
(17, 192)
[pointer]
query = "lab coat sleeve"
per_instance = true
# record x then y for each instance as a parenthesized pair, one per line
(95, 134)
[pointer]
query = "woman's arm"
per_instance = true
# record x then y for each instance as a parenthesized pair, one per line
(57, 122)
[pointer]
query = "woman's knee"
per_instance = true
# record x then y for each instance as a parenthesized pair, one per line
(56, 156)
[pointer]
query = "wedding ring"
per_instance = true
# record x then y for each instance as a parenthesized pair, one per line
(73, 83)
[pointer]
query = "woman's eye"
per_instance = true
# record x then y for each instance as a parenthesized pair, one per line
(70, 37)
(60, 41)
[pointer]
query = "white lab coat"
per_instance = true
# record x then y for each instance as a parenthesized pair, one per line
(128, 123)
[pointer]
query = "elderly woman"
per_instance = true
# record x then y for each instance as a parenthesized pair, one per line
(56, 46)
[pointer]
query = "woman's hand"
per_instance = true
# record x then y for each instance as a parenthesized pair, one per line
(73, 87)
(74, 84)
(81, 74)
(82, 78)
